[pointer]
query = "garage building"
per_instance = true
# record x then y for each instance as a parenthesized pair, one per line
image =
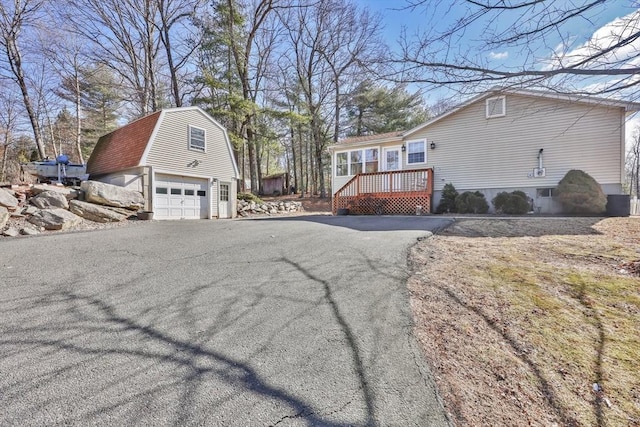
(181, 159)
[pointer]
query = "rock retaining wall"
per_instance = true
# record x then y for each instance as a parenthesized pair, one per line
(245, 208)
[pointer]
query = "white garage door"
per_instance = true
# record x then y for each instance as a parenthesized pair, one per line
(180, 197)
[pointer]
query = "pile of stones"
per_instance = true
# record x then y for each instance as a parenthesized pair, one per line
(246, 207)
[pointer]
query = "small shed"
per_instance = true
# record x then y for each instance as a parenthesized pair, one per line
(275, 184)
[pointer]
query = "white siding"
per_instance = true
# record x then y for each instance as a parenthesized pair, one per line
(170, 152)
(474, 152)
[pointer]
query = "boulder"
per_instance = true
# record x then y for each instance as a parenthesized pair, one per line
(29, 210)
(11, 232)
(69, 193)
(55, 219)
(28, 231)
(7, 199)
(4, 216)
(112, 195)
(95, 213)
(50, 200)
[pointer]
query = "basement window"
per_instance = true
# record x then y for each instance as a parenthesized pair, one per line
(545, 192)
(496, 107)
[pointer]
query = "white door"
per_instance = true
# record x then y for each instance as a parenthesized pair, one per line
(179, 197)
(392, 161)
(223, 206)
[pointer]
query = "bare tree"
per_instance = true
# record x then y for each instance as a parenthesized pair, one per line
(9, 113)
(331, 42)
(472, 50)
(14, 17)
(123, 36)
(178, 39)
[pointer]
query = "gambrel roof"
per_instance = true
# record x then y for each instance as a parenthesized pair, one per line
(124, 147)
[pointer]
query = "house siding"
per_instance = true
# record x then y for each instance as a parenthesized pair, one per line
(476, 153)
(170, 152)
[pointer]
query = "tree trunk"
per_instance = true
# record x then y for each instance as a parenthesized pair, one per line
(293, 158)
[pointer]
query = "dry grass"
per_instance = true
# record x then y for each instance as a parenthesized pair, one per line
(519, 318)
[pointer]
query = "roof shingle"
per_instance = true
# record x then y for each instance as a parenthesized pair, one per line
(123, 148)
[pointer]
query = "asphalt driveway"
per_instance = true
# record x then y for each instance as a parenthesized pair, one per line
(291, 321)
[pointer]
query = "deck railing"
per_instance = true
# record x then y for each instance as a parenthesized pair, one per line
(390, 192)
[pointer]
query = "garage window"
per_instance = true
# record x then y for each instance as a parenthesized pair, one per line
(161, 190)
(202, 193)
(197, 139)
(188, 192)
(176, 191)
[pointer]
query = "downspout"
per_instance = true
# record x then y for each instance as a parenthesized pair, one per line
(152, 178)
(210, 198)
(215, 181)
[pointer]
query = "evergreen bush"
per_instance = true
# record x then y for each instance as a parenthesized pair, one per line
(447, 199)
(579, 193)
(514, 203)
(250, 197)
(472, 202)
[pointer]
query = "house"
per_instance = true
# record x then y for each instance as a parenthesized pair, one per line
(501, 140)
(181, 159)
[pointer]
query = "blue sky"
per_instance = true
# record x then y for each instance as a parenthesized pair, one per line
(396, 17)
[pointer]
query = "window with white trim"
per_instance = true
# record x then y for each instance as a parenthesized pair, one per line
(342, 164)
(224, 192)
(197, 139)
(545, 192)
(416, 152)
(496, 107)
(371, 160)
(357, 161)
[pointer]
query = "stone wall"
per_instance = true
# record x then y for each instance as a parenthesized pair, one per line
(246, 208)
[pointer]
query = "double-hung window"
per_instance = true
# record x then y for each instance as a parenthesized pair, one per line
(355, 162)
(342, 164)
(416, 152)
(371, 160)
(197, 139)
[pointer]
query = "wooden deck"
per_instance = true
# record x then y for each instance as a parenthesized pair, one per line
(386, 193)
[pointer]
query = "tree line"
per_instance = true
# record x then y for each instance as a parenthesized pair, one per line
(286, 78)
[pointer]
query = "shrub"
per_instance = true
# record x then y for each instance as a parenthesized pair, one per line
(579, 193)
(472, 202)
(448, 199)
(514, 203)
(250, 197)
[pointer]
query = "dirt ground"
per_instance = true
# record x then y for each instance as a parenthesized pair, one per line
(532, 321)
(311, 204)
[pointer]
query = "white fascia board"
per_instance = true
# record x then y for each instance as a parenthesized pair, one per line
(145, 154)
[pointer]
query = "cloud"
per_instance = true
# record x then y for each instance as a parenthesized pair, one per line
(601, 51)
(499, 55)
